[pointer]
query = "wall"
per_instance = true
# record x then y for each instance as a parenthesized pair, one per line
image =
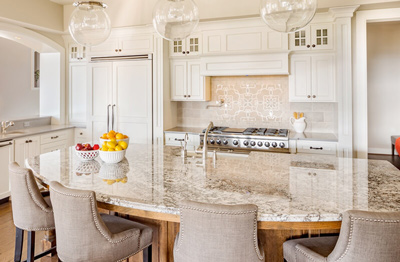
(17, 99)
(128, 13)
(38, 13)
(256, 101)
(383, 85)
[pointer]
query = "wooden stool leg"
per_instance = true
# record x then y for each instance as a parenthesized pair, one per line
(147, 253)
(31, 246)
(19, 242)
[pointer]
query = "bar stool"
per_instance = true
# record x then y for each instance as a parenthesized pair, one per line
(364, 236)
(217, 233)
(85, 235)
(32, 211)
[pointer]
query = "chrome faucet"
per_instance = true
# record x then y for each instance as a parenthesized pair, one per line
(5, 125)
(205, 145)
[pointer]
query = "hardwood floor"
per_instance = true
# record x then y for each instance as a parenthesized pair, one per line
(395, 160)
(7, 237)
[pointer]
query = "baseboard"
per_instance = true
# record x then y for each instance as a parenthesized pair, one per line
(4, 200)
(381, 151)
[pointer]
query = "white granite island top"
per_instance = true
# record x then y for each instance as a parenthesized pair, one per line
(285, 187)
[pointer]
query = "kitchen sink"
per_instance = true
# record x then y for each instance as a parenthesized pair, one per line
(14, 132)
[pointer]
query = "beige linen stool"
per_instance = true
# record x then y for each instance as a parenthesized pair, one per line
(85, 235)
(364, 236)
(217, 233)
(32, 211)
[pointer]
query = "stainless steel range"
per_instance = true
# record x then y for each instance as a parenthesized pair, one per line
(237, 139)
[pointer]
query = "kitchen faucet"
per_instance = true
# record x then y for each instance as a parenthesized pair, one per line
(205, 145)
(5, 125)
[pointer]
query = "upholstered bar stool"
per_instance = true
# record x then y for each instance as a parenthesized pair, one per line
(31, 210)
(85, 235)
(217, 233)
(364, 236)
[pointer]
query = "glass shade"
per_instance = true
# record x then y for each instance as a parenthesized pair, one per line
(287, 15)
(89, 24)
(175, 20)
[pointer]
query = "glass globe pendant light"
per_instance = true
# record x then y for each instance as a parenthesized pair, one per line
(175, 20)
(89, 24)
(287, 15)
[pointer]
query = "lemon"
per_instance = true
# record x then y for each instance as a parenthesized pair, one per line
(110, 182)
(123, 181)
(113, 139)
(118, 148)
(111, 149)
(104, 148)
(119, 136)
(104, 136)
(118, 180)
(112, 144)
(123, 144)
(104, 143)
(125, 136)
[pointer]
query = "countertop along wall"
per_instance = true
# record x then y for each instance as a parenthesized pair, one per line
(256, 101)
(17, 98)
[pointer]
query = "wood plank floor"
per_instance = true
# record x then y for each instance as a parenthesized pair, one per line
(7, 237)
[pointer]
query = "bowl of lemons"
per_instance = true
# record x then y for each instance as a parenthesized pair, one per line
(112, 135)
(112, 151)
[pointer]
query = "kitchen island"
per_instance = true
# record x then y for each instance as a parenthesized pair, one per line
(297, 195)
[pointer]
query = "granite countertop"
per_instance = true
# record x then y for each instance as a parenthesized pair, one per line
(14, 134)
(329, 137)
(285, 187)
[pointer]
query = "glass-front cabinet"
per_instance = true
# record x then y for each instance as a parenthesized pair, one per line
(313, 37)
(190, 46)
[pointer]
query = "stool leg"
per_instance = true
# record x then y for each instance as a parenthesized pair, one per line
(19, 242)
(31, 246)
(392, 150)
(147, 254)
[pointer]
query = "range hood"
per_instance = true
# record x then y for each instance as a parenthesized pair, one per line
(238, 65)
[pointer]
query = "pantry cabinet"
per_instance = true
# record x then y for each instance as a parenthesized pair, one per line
(191, 46)
(77, 90)
(186, 82)
(312, 78)
(313, 37)
(120, 98)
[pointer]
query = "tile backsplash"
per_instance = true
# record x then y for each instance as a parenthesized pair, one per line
(255, 101)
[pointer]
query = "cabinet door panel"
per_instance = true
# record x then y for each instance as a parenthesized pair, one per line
(98, 128)
(20, 146)
(194, 45)
(77, 92)
(322, 36)
(100, 83)
(300, 79)
(106, 48)
(195, 82)
(301, 39)
(34, 146)
(323, 83)
(178, 80)
(134, 45)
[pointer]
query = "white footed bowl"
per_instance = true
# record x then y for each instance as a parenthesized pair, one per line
(112, 157)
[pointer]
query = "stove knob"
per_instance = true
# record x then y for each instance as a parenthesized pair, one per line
(260, 144)
(246, 143)
(225, 142)
(274, 144)
(212, 142)
(218, 141)
(267, 144)
(252, 143)
(235, 142)
(282, 145)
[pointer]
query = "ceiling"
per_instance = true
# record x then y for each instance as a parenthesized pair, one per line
(63, 2)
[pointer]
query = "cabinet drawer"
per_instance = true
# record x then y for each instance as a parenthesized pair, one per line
(53, 137)
(171, 139)
(317, 147)
(46, 148)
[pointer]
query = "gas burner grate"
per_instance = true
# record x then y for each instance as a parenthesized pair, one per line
(283, 132)
(261, 131)
(271, 132)
(249, 131)
(216, 129)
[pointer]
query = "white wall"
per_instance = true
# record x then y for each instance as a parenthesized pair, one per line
(383, 85)
(17, 99)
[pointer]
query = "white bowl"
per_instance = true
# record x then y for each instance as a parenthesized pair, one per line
(114, 171)
(88, 167)
(102, 140)
(87, 155)
(112, 157)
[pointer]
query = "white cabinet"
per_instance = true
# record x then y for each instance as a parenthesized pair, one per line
(81, 135)
(313, 37)
(77, 52)
(186, 82)
(317, 147)
(312, 78)
(120, 98)
(77, 92)
(172, 139)
(124, 45)
(243, 41)
(190, 46)
(6, 157)
(26, 147)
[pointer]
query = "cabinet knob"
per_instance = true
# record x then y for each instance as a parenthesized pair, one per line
(308, 46)
(188, 95)
(314, 96)
(116, 50)
(120, 50)
(187, 52)
(80, 133)
(184, 52)
(30, 141)
(26, 141)
(184, 95)
(308, 96)
(313, 45)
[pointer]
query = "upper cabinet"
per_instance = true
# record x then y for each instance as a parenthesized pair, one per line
(313, 37)
(124, 45)
(77, 52)
(191, 46)
(243, 41)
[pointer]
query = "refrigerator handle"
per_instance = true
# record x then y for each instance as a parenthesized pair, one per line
(113, 116)
(108, 118)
